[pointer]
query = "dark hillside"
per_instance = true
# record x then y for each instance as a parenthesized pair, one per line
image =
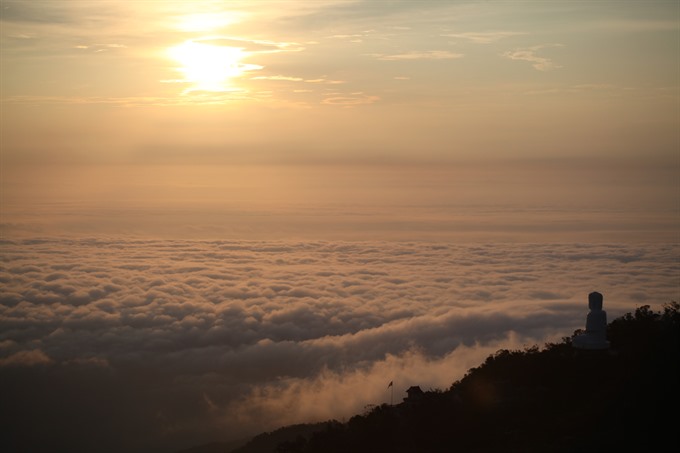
(554, 399)
(268, 442)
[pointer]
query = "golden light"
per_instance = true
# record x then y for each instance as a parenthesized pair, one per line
(209, 67)
(205, 22)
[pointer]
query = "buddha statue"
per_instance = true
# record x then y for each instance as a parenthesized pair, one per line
(595, 336)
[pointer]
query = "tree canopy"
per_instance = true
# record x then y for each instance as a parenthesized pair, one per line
(555, 398)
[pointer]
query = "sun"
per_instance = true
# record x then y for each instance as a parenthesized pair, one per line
(209, 67)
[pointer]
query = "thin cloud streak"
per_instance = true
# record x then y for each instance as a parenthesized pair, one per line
(422, 55)
(484, 37)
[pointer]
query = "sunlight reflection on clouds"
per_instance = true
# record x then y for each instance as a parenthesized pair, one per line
(213, 64)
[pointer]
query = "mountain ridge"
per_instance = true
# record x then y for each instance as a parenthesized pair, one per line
(551, 399)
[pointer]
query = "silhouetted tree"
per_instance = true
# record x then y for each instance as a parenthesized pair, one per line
(551, 399)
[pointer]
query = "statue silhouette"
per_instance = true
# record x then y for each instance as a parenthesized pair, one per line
(595, 336)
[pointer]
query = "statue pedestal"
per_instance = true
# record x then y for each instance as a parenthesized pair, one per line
(586, 341)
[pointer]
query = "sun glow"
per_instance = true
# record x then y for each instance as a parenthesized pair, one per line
(209, 67)
(205, 22)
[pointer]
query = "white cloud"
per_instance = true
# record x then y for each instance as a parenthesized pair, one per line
(530, 54)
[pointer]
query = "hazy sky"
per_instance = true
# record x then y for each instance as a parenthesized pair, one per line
(230, 81)
(272, 119)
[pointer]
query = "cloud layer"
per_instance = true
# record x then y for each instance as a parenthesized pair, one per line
(180, 342)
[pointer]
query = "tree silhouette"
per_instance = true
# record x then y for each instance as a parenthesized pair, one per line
(551, 399)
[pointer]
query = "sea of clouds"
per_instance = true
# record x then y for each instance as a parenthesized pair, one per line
(140, 345)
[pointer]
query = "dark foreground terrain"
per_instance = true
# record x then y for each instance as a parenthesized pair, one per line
(551, 399)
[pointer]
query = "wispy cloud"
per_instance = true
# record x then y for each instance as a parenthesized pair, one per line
(252, 46)
(635, 25)
(422, 55)
(193, 98)
(279, 77)
(484, 37)
(530, 54)
(99, 47)
(351, 99)
(283, 78)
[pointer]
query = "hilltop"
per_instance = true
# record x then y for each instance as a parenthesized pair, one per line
(551, 399)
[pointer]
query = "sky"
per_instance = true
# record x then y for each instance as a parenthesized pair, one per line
(222, 114)
(218, 217)
(275, 81)
(298, 108)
